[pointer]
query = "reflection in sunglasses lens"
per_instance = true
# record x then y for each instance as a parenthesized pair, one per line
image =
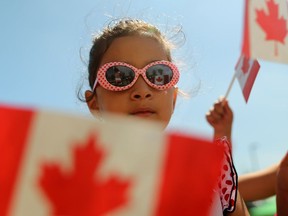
(159, 74)
(120, 76)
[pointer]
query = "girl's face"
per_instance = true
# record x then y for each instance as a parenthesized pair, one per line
(140, 100)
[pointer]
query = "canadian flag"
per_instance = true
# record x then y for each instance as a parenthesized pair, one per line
(56, 164)
(266, 30)
(159, 80)
(246, 71)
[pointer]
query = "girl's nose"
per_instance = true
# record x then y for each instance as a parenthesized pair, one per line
(141, 90)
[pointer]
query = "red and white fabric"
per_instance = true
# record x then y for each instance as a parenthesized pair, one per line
(56, 164)
(246, 71)
(265, 34)
(228, 183)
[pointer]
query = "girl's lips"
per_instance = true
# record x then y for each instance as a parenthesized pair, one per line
(143, 112)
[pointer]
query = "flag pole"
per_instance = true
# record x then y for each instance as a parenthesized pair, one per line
(230, 85)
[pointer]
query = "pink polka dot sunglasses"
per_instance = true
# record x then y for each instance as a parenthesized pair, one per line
(119, 76)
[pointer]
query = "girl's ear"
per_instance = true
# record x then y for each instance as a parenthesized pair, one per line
(91, 101)
(175, 94)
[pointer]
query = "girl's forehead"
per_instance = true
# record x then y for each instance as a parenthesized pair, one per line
(135, 50)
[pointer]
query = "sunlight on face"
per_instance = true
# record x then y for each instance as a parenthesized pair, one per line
(140, 100)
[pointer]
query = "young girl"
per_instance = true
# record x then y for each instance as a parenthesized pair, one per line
(147, 88)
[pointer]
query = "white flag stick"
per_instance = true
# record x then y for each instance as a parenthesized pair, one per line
(230, 85)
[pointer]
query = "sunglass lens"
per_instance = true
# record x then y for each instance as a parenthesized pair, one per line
(159, 74)
(120, 76)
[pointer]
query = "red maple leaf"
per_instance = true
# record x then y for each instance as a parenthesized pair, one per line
(159, 79)
(274, 26)
(80, 191)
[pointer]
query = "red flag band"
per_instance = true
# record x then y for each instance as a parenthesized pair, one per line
(246, 72)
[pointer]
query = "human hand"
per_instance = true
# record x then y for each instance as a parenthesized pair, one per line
(220, 117)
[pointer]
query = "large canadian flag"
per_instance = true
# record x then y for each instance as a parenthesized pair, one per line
(56, 164)
(266, 30)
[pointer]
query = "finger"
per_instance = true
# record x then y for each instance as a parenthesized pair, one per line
(212, 115)
(227, 109)
(223, 100)
(219, 109)
(211, 120)
(208, 114)
(215, 114)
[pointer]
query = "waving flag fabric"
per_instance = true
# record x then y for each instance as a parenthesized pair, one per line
(246, 72)
(55, 164)
(266, 30)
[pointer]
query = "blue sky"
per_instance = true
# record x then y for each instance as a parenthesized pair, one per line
(41, 65)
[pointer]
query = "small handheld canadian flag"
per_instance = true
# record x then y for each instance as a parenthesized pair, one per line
(55, 164)
(246, 71)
